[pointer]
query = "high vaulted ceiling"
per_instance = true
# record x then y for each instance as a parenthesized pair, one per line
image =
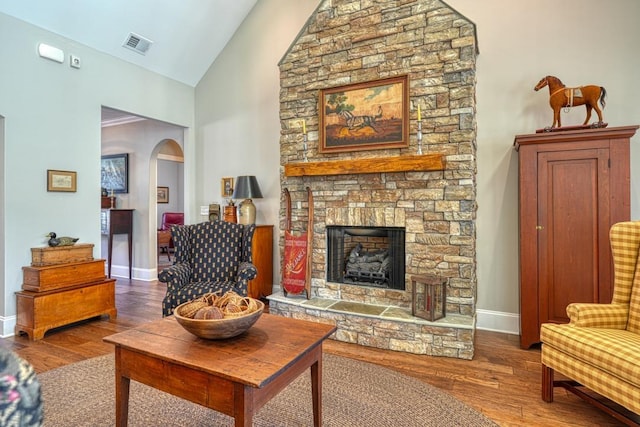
(187, 35)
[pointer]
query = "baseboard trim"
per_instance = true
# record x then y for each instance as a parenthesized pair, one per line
(8, 326)
(497, 321)
(143, 274)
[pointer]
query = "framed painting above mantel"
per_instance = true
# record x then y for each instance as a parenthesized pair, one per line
(365, 116)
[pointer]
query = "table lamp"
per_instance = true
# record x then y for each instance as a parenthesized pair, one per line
(247, 188)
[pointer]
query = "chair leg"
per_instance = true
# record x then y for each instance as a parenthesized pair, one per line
(547, 383)
(164, 249)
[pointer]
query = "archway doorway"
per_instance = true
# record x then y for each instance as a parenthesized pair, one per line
(169, 158)
(146, 141)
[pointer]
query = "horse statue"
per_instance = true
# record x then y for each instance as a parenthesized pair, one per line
(561, 96)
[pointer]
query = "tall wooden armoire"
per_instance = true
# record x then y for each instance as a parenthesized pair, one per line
(574, 185)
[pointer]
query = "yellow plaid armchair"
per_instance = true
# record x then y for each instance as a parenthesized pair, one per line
(600, 346)
(210, 257)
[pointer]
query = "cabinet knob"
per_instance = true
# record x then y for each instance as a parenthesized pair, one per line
(539, 227)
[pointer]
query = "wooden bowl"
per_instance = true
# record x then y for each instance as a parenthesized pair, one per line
(217, 329)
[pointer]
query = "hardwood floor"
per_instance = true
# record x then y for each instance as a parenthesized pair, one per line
(502, 381)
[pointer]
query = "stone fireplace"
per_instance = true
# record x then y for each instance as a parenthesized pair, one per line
(430, 193)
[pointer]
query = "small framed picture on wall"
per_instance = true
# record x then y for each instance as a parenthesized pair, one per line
(163, 194)
(61, 180)
(226, 187)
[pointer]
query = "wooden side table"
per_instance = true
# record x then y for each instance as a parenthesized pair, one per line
(262, 255)
(120, 222)
(164, 241)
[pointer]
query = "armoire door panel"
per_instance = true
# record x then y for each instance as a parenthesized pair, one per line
(568, 211)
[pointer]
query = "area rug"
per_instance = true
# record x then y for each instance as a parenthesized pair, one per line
(354, 394)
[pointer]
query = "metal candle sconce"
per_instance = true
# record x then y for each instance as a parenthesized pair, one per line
(304, 140)
(419, 131)
(304, 147)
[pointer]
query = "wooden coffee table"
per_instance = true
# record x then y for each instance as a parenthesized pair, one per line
(236, 376)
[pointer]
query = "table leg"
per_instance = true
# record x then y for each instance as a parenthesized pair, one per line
(109, 252)
(243, 405)
(316, 389)
(122, 394)
(130, 241)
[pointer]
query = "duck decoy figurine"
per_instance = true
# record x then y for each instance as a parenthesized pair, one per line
(61, 241)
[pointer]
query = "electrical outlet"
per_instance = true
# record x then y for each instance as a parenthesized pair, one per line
(74, 61)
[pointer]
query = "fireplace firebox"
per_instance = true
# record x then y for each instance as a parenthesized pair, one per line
(366, 256)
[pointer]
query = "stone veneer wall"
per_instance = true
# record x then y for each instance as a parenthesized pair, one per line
(346, 42)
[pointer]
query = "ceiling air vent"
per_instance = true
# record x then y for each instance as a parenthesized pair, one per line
(137, 43)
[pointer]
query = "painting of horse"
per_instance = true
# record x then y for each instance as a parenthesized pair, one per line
(369, 115)
(561, 96)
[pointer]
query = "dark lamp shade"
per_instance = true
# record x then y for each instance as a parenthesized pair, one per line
(247, 188)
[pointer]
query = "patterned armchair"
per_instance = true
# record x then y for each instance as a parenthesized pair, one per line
(600, 347)
(210, 256)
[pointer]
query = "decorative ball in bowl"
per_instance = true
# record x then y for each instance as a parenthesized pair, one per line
(218, 317)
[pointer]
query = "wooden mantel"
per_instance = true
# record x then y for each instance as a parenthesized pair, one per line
(414, 163)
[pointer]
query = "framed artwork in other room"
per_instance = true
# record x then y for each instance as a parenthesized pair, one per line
(365, 116)
(114, 173)
(226, 187)
(163, 195)
(64, 181)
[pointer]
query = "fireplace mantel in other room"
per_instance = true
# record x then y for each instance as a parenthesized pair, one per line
(414, 163)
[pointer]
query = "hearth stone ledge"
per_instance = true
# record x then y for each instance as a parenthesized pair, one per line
(383, 326)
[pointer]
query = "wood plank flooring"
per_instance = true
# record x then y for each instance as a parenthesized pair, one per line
(502, 381)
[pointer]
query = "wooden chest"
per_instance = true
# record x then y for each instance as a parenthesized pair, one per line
(49, 277)
(61, 254)
(40, 311)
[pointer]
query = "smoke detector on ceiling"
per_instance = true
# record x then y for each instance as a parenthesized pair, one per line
(137, 43)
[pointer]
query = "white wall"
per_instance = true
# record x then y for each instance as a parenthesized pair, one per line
(580, 41)
(52, 118)
(237, 108)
